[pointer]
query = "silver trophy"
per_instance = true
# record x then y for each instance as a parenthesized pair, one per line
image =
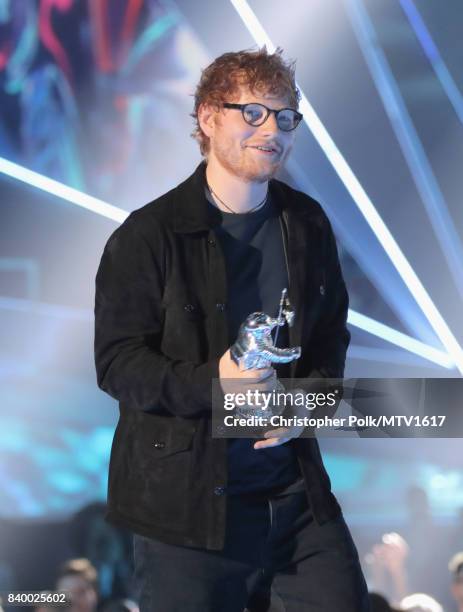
(255, 347)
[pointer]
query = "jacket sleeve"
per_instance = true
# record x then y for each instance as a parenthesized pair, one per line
(330, 338)
(327, 346)
(128, 329)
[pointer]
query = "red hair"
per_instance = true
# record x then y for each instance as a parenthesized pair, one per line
(259, 71)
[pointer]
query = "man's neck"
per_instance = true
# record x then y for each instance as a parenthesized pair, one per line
(240, 195)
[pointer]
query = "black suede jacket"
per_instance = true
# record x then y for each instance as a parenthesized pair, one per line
(160, 330)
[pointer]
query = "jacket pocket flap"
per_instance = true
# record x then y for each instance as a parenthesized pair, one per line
(172, 442)
(161, 436)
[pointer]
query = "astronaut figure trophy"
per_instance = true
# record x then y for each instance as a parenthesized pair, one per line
(255, 348)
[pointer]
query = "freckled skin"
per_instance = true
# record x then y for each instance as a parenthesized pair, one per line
(232, 137)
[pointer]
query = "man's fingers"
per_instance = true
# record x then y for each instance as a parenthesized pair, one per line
(259, 375)
(275, 437)
(258, 372)
(276, 433)
(263, 381)
(278, 436)
(271, 442)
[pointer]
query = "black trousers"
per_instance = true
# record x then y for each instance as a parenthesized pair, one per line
(276, 559)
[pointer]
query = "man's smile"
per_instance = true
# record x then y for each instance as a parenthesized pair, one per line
(268, 150)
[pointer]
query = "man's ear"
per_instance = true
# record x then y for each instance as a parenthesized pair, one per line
(206, 119)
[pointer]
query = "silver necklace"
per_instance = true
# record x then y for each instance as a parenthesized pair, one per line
(234, 211)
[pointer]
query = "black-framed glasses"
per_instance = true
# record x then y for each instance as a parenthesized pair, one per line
(256, 114)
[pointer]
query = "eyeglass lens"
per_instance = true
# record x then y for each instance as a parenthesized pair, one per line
(255, 114)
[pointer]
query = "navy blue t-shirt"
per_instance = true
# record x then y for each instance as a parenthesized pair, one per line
(255, 263)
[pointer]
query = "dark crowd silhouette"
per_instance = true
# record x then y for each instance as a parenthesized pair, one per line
(418, 567)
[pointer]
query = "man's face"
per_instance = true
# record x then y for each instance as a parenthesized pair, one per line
(457, 591)
(82, 593)
(233, 141)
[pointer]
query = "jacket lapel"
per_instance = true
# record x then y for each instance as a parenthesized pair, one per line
(301, 241)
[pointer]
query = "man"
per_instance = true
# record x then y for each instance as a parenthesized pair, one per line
(219, 524)
(79, 579)
(456, 571)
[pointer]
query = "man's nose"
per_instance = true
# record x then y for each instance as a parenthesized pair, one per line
(270, 126)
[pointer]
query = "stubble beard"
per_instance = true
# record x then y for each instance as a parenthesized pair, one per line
(239, 162)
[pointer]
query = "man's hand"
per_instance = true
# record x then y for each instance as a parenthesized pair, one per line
(262, 380)
(265, 381)
(387, 564)
(276, 437)
(393, 552)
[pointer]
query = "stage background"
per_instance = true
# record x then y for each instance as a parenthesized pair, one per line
(96, 95)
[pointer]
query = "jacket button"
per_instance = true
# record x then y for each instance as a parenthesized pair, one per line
(211, 242)
(189, 307)
(219, 490)
(322, 289)
(220, 306)
(159, 445)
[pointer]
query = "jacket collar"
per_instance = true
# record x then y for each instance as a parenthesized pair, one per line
(193, 214)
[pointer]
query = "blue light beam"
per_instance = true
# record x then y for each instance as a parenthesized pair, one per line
(432, 53)
(409, 141)
(62, 191)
